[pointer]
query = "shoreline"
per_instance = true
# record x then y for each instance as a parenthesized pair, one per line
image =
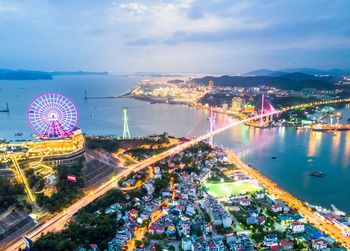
(290, 200)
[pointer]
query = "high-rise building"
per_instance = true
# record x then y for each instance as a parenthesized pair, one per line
(237, 104)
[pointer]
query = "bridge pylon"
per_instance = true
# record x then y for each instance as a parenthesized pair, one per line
(211, 126)
(262, 110)
(126, 132)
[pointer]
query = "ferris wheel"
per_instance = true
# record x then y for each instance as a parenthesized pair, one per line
(53, 115)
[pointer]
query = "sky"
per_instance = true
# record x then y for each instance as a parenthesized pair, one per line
(187, 36)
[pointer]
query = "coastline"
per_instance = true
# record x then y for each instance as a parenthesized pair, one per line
(302, 208)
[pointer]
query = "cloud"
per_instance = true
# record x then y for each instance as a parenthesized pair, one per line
(172, 35)
(7, 8)
(141, 42)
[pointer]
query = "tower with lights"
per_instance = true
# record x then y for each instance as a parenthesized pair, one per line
(126, 132)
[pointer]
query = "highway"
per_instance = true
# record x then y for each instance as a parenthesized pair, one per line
(58, 221)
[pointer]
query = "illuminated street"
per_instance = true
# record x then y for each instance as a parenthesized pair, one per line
(58, 222)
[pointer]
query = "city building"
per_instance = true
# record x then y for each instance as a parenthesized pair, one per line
(276, 208)
(297, 227)
(186, 244)
(245, 202)
(270, 240)
(319, 244)
(237, 104)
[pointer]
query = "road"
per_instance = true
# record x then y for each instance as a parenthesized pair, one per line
(58, 222)
(293, 202)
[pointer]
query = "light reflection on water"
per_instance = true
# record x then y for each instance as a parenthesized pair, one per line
(298, 152)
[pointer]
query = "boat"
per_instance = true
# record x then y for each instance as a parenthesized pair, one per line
(7, 108)
(273, 157)
(325, 128)
(317, 174)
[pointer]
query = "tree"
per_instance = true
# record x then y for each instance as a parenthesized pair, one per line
(9, 193)
(138, 243)
(145, 223)
(159, 247)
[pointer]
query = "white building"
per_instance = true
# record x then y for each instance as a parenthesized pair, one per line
(277, 208)
(227, 221)
(190, 209)
(157, 173)
(259, 195)
(319, 244)
(245, 202)
(51, 180)
(186, 244)
(297, 227)
(149, 188)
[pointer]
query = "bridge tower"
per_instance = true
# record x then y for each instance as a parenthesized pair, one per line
(211, 125)
(262, 110)
(126, 132)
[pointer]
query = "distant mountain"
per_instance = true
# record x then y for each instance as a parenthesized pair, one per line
(261, 72)
(23, 75)
(78, 73)
(289, 81)
(312, 71)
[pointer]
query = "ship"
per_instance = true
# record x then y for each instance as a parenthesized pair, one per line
(7, 108)
(324, 127)
(318, 174)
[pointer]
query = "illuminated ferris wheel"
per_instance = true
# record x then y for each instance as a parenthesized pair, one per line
(52, 115)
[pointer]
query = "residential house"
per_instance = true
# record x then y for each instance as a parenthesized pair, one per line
(190, 209)
(261, 220)
(133, 213)
(245, 202)
(216, 245)
(276, 208)
(186, 244)
(270, 240)
(226, 221)
(94, 247)
(242, 243)
(319, 244)
(252, 220)
(171, 231)
(297, 227)
(253, 213)
(286, 245)
(275, 247)
(259, 195)
(208, 228)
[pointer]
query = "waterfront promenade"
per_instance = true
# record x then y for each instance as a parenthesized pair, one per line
(293, 202)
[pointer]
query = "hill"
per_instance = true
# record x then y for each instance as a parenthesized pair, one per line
(261, 72)
(310, 71)
(78, 73)
(289, 81)
(23, 75)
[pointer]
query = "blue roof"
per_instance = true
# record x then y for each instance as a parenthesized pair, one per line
(318, 235)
